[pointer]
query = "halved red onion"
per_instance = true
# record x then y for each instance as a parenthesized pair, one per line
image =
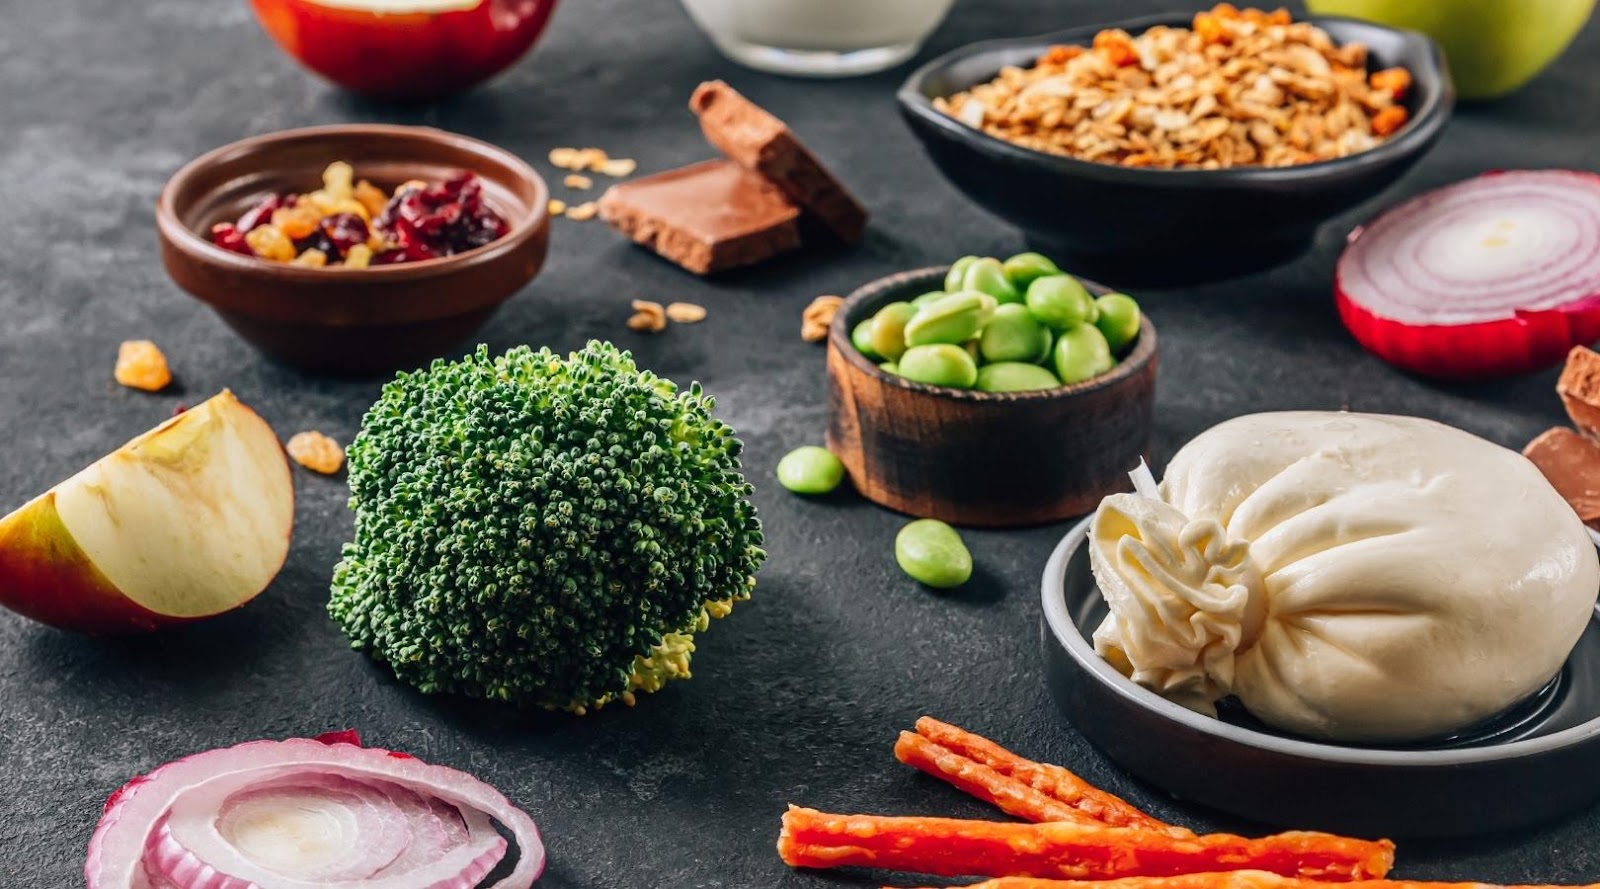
(1490, 277)
(307, 814)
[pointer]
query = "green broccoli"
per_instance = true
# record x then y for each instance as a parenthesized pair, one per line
(542, 530)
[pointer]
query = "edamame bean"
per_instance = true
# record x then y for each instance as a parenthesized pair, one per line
(1025, 268)
(929, 297)
(1014, 335)
(954, 318)
(932, 553)
(888, 335)
(1119, 320)
(889, 367)
(1014, 376)
(987, 276)
(810, 470)
(861, 338)
(940, 364)
(957, 273)
(1081, 353)
(1060, 302)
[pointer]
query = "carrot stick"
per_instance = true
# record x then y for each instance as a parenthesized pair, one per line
(1011, 796)
(1231, 880)
(1063, 850)
(1051, 780)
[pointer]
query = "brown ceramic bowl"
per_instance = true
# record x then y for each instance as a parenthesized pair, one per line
(987, 459)
(350, 321)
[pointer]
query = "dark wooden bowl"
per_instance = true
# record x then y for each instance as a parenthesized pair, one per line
(350, 321)
(981, 458)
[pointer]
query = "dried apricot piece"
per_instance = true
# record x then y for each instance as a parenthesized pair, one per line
(140, 365)
(371, 197)
(1117, 47)
(316, 452)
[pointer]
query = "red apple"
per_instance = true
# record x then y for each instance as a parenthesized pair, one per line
(186, 521)
(406, 50)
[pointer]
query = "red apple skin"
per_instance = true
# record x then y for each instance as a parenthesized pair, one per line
(405, 56)
(46, 576)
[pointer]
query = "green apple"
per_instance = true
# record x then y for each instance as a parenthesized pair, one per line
(1494, 46)
(188, 520)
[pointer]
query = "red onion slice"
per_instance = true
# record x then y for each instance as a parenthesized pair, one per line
(1490, 277)
(307, 814)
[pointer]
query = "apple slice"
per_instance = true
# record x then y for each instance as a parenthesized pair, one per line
(186, 521)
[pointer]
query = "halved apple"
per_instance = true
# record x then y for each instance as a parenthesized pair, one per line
(405, 49)
(188, 520)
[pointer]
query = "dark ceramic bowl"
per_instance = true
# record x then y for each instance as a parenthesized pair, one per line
(953, 454)
(350, 321)
(1526, 766)
(1166, 226)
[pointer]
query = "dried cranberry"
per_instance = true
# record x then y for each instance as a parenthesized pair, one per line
(345, 230)
(261, 213)
(228, 237)
(442, 219)
(319, 240)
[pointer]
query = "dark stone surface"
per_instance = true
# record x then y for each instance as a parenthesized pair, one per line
(799, 694)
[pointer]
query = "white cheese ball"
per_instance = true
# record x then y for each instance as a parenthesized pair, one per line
(1349, 577)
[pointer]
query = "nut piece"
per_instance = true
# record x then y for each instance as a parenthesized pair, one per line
(583, 211)
(140, 365)
(316, 452)
(617, 168)
(817, 316)
(648, 317)
(578, 181)
(557, 207)
(686, 313)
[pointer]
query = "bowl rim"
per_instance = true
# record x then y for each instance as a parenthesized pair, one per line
(1417, 132)
(1131, 365)
(198, 248)
(1069, 638)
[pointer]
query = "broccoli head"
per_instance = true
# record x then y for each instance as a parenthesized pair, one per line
(543, 530)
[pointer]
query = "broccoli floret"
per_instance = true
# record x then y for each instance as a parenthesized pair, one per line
(542, 530)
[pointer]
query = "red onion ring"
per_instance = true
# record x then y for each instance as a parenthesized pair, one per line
(307, 814)
(1494, 276)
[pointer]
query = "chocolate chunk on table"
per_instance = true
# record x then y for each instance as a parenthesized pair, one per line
(754, 138)
(1579, 388)
(706, 217)
(1572, 464)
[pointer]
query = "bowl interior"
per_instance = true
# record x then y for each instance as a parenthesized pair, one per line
(220, 186)
(1569, 702)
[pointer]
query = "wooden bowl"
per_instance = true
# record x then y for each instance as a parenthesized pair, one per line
(350, 321)
(988, 459)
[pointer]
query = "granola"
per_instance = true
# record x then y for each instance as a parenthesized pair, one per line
(1239, 88)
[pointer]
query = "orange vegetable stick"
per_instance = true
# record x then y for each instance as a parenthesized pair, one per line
(950, 847)
(1244, 879)
(1053, 781)
(1010, 795)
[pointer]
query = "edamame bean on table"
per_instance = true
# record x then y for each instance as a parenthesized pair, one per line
(1025, 313)
(933, 554)
(810, 470)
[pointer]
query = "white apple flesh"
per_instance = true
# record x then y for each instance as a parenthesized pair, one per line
(189, 520)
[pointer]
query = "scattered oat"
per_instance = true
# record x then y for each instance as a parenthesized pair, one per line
(617, 168)
(140, 365)
(583, 211)
(557, 207)
(1241, 88)
(578, 181)
(817, 316)
(316, 452)
(686, 313)
(648, 317)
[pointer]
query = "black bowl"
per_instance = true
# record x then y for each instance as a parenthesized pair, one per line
(1525, 766)
(1154, 226)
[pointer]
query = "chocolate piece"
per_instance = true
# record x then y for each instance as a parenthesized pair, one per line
(1572, 464)
(706, 217)
(1579, 388)
(754, 138)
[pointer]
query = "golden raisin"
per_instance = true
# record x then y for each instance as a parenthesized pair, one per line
(311, 259)
(371, 197)
(298, 221)
(140, 365)
(270, 243)
(1388, 120)
(358, 257)
(338, 180)
(316, 452)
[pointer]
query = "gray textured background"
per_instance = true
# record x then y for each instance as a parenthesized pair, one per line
(799, 694)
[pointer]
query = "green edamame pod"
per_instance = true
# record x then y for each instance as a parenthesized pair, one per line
(957, 273)
(955, 318)
(941, 364)
(1082, 353)
(1060, 302)
(932, 553)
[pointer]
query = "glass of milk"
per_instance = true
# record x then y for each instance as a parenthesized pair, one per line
(818, 38)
